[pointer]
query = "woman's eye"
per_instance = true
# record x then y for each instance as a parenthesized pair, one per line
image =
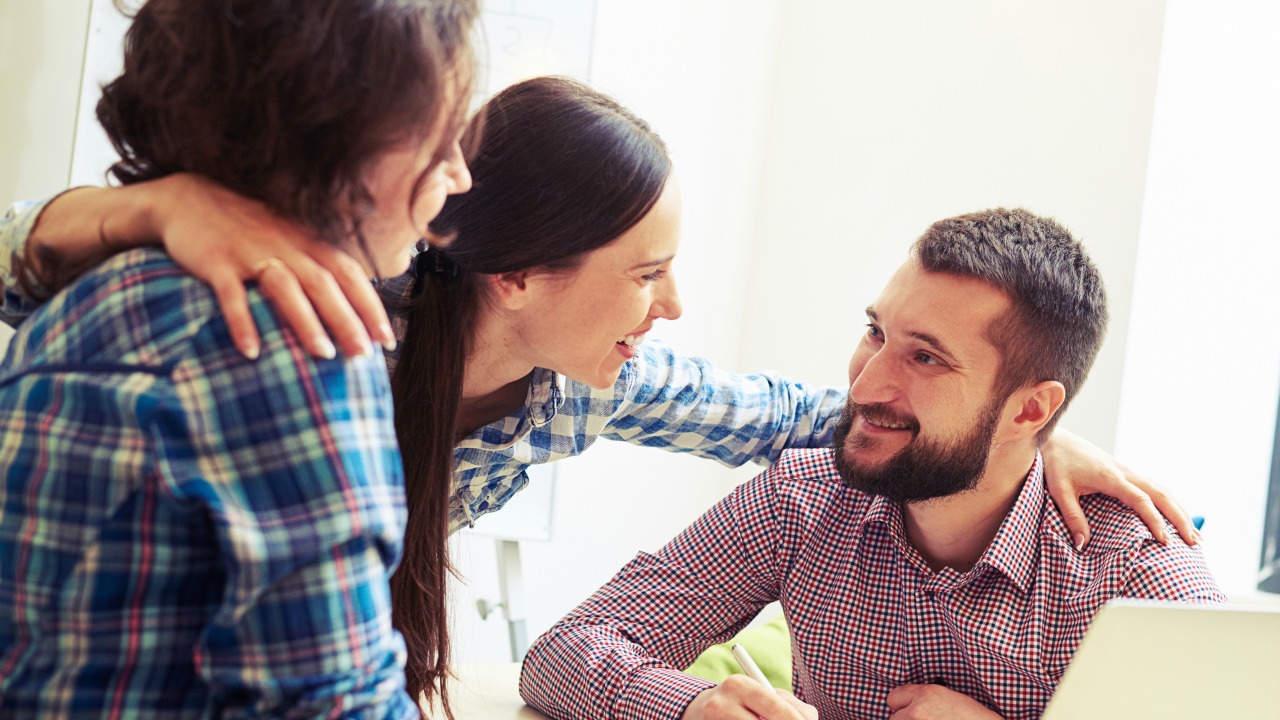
(926, 359)
(873, 331)
(654, 276)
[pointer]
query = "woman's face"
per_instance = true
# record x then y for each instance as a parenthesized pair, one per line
(586, 324)
(400, 217)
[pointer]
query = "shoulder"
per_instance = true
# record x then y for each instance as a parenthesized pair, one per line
(1112, 526)
(811, 469)
(140, 311)
(120, 312)
(1115, 531)
(1121, 546)
(805, 485)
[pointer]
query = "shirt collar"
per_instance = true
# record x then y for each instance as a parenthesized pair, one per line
(546, 395)
(1012, 551)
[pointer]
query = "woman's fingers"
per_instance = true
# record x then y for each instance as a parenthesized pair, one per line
(229, 289)
(1073, 517)
(349, 304)
(1165, 504)
(328, 299)
(282, 288)
(217, 235)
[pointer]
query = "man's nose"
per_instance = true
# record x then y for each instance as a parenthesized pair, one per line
(876, 382)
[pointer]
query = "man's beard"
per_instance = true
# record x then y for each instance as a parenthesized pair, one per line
(924, 469)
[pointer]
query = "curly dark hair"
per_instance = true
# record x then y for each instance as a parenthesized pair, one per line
(287, 101)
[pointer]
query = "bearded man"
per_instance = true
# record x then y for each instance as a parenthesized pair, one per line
(922, 567)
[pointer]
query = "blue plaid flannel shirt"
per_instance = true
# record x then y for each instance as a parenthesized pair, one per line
(184, 533)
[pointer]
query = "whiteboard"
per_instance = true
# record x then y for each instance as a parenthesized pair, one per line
(528, 514)
(517, 39)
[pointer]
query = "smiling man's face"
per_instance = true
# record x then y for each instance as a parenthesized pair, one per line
(921, 417)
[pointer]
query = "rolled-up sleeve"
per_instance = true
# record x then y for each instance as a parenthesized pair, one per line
(15, 229)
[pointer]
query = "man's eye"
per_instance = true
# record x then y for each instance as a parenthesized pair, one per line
(873, 331)
(925, 358)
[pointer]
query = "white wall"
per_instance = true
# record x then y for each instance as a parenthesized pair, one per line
(1198, 404)
(42, 45)
(889, 116)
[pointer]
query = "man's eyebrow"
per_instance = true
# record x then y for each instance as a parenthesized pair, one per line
(933, 342)
(925, 338)
(652, 263)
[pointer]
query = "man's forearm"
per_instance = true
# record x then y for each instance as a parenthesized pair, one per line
(582, 671)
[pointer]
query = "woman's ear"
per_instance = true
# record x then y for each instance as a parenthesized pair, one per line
(510, 290)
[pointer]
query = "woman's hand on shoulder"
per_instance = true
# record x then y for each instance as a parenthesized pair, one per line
(1075, 467)
(226, 240)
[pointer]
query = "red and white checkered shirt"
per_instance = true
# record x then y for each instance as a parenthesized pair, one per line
(866, 613)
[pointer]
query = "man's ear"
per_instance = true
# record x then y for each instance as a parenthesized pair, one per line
(510, 290)
(1032, 407)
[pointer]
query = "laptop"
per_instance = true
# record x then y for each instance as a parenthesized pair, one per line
(1164, 660)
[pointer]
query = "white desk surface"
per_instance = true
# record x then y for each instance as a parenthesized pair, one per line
(489, 692)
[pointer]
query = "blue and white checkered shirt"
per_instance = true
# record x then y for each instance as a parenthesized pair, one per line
(661, 400)
(185, 533)
(14, 229)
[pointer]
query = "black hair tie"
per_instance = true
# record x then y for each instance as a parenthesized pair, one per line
(435, 262)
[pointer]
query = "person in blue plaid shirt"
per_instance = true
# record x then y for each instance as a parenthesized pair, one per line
(184, 532)
(584, 378)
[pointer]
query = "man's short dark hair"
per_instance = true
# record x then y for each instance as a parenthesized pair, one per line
(1059, 314)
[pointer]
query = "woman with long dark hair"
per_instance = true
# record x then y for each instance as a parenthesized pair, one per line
(183, 532)
(524, 331)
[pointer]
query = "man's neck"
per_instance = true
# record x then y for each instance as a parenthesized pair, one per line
(954, 531)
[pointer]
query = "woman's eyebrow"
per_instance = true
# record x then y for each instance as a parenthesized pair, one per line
(651, 263)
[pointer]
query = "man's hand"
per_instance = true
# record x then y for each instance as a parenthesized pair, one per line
(741, 698)
(935, 702)
(1074, 467)
(226, 239)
